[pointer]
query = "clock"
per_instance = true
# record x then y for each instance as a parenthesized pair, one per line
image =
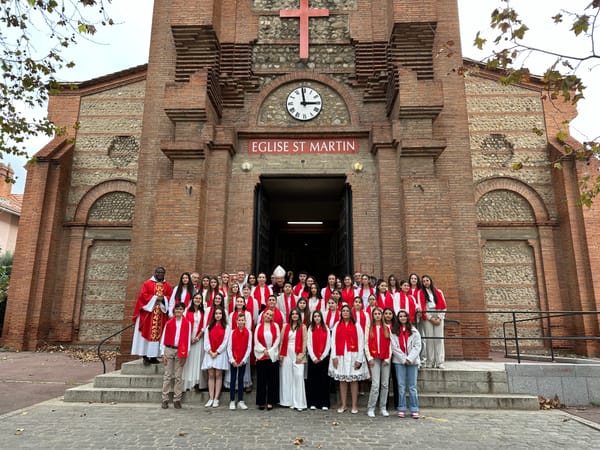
(304, 103)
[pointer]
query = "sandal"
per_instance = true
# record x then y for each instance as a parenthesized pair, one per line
(341, 410)
(401, 414)
(415, 415)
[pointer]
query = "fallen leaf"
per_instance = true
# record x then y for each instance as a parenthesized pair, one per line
(19, 431)
(181, 433)
(298, 440)
(24, 413)
(334, 423)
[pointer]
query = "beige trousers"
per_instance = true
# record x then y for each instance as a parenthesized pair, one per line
(173, 372)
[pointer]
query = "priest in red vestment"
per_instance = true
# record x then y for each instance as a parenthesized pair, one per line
(150, 316)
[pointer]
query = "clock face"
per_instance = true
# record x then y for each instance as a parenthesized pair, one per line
(304, 103)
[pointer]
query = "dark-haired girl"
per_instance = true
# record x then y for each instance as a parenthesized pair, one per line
(215, 354)
(379, 353)
(238, 352)
(192, 375)
(315, 300)
(266, 351)
(318, 345)
(347, 361)
(292, 357)
(434, 322)
(406, 345)
(182, 292)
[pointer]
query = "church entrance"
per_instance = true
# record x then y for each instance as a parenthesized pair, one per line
(303, 223)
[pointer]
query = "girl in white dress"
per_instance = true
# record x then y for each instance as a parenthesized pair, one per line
(347, 363)
(315, 301)
(292, 357)
(215, 357)
(193, 377)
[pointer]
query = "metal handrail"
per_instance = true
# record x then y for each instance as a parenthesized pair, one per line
(106, 339)
(539, 315)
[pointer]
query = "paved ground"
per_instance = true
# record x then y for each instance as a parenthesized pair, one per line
(26, 379)
(54, 424)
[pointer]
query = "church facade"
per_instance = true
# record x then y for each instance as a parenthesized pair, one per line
(329, 135)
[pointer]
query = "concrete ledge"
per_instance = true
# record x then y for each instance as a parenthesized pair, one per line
(574, 384)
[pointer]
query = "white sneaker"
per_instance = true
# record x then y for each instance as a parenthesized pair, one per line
(441, 366)
(313, 407)
(209, 403)
(384, 412)
(231, 405)
(242, 405)
(371, 413)
(215, 404)
(325, 408)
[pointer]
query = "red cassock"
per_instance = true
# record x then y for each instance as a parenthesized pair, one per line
(184, 336)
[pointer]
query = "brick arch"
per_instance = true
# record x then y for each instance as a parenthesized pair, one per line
(305, 75)
(106, 187)
(517, 186)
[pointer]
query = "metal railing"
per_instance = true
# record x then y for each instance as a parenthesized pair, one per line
(103, 341)
(547, 336)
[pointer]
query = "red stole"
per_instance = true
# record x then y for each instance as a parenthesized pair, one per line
(385, 301)
(261, 294)
(346, 338)
(239, 343)
(407, 303)
(260, 335)
(361, 319)
(231, 302)
(286, 338)
(216, 336)
(210, 296)
(190, 317)
(328, 292)
(297, 289)
(383, 351)
(347, 297)
(369, 310)
(289, 302)
(331, 318)
(403, 335)
(361, 291)
(148, 291)
(278, 317)
(319, 340)
(184, 336)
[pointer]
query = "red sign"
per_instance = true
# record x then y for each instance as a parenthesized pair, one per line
(302, 146)
(304, 13)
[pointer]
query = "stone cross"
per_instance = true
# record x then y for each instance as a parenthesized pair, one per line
(304, 13)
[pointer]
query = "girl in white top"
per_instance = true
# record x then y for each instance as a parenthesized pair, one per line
(315, 299)
(238, 351)
(193, 377)
(347, 363)
(215, 356)
(379, 354)
(292, 357)
(266, 351)
(318, 346)
(240, 308)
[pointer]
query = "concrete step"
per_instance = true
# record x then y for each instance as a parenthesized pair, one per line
(119, 380)
(462, 381)
(138, 368)
(479, 401)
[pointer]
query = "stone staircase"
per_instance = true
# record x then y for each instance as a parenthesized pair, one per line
(470, 385)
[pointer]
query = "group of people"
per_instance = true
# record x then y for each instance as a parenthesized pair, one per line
(300, 338)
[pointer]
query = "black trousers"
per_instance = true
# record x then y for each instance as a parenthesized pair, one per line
(317, 384)
(267, 382)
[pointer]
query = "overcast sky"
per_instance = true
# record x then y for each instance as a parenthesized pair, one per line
(126, 45)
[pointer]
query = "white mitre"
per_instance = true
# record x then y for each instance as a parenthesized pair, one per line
(279, 271)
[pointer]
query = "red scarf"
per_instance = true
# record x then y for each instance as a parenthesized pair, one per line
(408, 304)
(403, 335)
(383, 351)
(260, 334)
(184, 336)
(216, 336)
(239, 343)
(331, 318)
(210, 297)
(298, 288)
(262, 295)
(328, 292)
(362, 290)
(319, 340)
(286, 338)
(346, 338)
(278, 317)
(289, 302)
(361, 319)
(347, 297)
(385, 301)
(190, 317)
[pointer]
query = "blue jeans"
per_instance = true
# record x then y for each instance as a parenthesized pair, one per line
(407, 375)
(236, 373)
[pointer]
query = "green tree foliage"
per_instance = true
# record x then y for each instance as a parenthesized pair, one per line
(561, 78)
(33, 37)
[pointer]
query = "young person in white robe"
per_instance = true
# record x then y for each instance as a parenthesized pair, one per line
(292, 357)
